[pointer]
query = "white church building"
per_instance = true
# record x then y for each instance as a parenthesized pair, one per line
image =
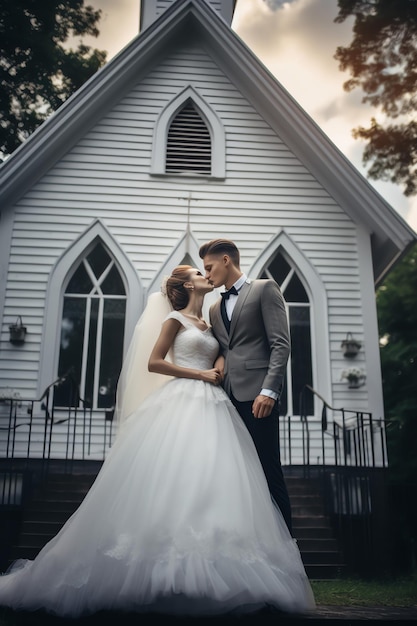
(183, 137)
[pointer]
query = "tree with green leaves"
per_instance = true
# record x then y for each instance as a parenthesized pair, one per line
(38, 71)
(382, 60)
(397, 319)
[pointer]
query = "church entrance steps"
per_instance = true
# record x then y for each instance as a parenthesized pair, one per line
(48, 511)
(319, 548)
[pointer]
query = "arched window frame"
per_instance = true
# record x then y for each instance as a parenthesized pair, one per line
(187, 246)
(59, 278)
(315, 289)
(214, 125)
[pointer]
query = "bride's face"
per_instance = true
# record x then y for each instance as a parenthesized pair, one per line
(199, 282)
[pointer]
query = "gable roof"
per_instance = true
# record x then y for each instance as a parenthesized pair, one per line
(390, 234)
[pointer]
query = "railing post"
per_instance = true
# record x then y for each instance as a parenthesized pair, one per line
(30, 413)
(74, 431)
(45, 406)
(11, 434)
(371, 428)
(323, 429)
(344, 442)
(70, 399)
(383, 442)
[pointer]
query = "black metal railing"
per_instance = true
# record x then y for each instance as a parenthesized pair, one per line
(40, 429)
(340, 437)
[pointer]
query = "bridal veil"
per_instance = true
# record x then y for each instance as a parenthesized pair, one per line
(135, 381)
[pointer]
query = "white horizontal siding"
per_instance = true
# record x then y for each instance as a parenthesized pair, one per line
(106, 176)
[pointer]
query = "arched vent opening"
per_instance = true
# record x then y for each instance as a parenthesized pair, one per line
(189, 143)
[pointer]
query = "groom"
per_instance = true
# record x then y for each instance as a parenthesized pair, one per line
(250, 324)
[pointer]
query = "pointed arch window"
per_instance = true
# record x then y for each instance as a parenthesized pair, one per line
(299, 369)
(92, 330)
(189, 143)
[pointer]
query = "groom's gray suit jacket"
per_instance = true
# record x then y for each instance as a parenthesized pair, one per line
(257, 347)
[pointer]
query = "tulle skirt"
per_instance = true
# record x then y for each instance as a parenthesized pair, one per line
(178, 521)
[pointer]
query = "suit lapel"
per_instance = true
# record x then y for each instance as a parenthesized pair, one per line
(218, 324)
(243, 294)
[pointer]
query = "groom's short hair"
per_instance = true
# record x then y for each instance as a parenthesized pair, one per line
(221, 246)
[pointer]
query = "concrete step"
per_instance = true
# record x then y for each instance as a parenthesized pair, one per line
(297, 483)
(310, 521)
(312, 532)
(57, 505)
(48, 515)
(317, 544)
(23, 552)
(36, 540)
(75, 485)
(320, 557)
(325, 571)
(305, 498)
(45, 527)
(307, 509)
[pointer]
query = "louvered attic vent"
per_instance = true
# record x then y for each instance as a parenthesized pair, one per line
(189, 143)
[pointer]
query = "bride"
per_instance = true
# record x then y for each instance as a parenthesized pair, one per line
(180, 519)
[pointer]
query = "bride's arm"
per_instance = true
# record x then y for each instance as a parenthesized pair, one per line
(159, 365)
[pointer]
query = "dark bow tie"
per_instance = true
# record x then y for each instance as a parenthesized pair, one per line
(232, 292)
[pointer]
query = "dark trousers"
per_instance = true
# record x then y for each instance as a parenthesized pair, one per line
(265, 435)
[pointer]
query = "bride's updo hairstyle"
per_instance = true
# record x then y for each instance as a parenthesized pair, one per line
(175, 290)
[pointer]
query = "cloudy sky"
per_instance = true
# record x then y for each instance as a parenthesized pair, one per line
(296, 40)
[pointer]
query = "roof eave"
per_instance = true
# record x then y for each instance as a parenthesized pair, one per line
(81, 111)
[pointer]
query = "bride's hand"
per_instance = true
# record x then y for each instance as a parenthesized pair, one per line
(212, 376)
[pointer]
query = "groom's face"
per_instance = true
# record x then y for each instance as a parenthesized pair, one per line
(217, 269)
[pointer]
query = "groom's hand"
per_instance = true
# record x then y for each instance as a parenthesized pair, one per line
(262, 406)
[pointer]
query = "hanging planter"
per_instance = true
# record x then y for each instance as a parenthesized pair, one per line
(17, 332)
(355, 377)
(350, 346)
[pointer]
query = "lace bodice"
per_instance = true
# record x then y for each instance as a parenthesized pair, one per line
(193, 347)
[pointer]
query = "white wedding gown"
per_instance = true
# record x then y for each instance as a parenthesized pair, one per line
(179, 519)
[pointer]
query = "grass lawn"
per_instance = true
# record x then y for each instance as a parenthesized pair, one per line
(355, 592)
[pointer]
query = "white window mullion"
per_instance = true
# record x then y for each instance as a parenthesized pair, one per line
(286, 281)
(104, 275)
(85, 347)
(92, 277)
(98, 350)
